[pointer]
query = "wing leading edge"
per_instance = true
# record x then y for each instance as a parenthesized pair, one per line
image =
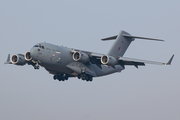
(137, 62)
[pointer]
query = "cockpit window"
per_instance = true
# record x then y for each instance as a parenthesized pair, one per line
(41, 46)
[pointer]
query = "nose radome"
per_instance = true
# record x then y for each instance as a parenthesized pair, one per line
(33, 52)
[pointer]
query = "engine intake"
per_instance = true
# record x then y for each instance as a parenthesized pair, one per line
(80, 56)
(108, 60)
(28, 56)
(18, 60)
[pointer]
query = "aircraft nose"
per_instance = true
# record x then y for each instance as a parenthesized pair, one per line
(33, 52)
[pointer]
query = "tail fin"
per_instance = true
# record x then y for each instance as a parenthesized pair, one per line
(120, 45)
(122, 42)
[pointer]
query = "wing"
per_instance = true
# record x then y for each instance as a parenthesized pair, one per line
(136, 62)
(95, 58)
(18, 60)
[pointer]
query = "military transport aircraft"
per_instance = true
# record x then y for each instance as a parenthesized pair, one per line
(65, 62)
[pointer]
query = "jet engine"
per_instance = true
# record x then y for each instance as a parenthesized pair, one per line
(18, 60)
(28, 56)
(108, 60)
(80, 56)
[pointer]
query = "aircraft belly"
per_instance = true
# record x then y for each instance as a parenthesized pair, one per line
(107, 70)
(79, 67)
(57, 68)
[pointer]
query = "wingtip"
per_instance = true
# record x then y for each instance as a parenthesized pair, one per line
(8, 60)
(170, 60)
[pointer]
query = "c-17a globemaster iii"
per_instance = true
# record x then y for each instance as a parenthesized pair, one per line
(65, 62)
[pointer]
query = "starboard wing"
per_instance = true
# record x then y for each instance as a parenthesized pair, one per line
(137, 62)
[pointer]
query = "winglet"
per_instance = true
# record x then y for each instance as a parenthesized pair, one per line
(170, 60)
(8, 60)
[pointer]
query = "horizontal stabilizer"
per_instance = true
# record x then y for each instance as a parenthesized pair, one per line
(130, 36)
(110, 38)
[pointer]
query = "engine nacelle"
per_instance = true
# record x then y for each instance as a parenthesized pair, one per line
(80, 56)
(108, 60)
(18, 60)
(28, 56)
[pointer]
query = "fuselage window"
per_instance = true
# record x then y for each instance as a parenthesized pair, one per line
(35, 46)
(42, 47)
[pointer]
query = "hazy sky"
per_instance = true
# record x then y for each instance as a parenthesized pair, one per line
(148, 93)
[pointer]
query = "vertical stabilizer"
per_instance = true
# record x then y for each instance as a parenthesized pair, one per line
(120, 45)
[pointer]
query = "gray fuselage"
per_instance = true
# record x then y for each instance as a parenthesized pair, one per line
(55, 59)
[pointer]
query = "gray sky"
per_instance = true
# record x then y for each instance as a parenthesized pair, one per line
(147, 93)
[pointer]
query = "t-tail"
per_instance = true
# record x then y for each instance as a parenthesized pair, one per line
(122, 42)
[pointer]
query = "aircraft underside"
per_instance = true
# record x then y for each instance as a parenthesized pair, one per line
(60, 75)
